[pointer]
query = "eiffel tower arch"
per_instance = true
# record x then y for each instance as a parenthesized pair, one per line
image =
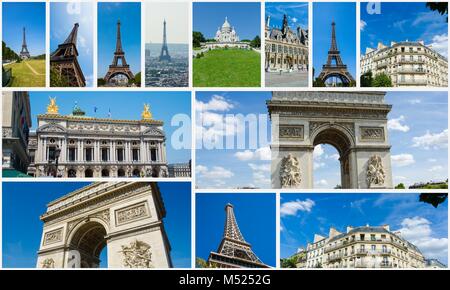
(355, 123)
(124, 217)
(24, 53)
(64, 60)
(335, 68)
(119, 73)
(234, 251)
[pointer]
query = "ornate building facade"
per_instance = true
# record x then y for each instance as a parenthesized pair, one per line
(407, 63)
(180, 169)
(226, 36)
(76, 145)
(286, 49)
(363, 247)
(124, 217)
(16, 124)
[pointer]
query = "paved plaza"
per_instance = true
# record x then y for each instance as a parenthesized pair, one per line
(287, 79)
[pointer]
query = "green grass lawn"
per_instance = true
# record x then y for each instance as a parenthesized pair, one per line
(228, 68)
(23, 76)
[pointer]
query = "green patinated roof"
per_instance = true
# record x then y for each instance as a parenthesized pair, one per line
(13, 173)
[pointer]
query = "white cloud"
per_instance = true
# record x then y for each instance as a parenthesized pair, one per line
(292, 207)
(432, 160)
(417, 230)
(321, 183)
(216, 103)
(436, 168)
(415, 101)
(440, 44)
(318, 165)
(216, 172)
(294, 20)
(262, 153)
(334, 156)
(362, 24)
(260, 174)
(401, 160)
(318, 151)
(432, 140)
(396, 124)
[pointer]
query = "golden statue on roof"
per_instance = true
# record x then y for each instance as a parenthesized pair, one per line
(52, 108)
(146, 115)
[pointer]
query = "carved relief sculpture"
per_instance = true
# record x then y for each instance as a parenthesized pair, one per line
(290, 175)
(48, 263)
(137, 255)
(375, 171)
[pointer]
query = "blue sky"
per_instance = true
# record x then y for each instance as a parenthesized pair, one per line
(245, 17)
(130, 30)
(403, 21)
(126, 105)
(255, 215)
(417, 141)
(297, 13)
(344, 15)
(303, 215)
(22, 229)
(63, 16)
(233, 167)
(14, 20)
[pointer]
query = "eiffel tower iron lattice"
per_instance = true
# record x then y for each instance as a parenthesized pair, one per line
(234, 251)
(116, 68)
(24, 53)
(337, 69)
(164, 56)
(64, 60)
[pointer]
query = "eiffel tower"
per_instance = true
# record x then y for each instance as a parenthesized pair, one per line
(234, 251)
(164, 56)
(24, 54)
(64, 60)
(337, 69)
(116, 69)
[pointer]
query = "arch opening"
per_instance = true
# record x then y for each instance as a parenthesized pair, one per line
(335, 146)
(89, 241)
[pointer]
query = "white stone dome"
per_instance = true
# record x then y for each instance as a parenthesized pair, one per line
(226, 27)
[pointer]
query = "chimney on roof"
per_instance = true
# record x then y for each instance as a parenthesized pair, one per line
(386, 227)
(333, 232)
(349, 228)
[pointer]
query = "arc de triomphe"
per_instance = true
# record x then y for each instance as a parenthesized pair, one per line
(125, 217)
(355, 123)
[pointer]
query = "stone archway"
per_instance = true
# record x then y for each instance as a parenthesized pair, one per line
(355, 123)
(124, 217)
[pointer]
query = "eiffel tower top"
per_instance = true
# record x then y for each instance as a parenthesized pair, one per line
(333, 48)
(118, 40)
(231, 230)
(72, 38)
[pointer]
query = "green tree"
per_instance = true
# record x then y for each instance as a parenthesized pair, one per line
(8, 53)
(441, 7)
(382, 80)
(137, 79)
(435, 199)
(57, 80)
(288, 262)
(400, 186)
(319, 83)
(256, 42)
(366, 79)
(197, 38)
(201, 263)
(101, 82)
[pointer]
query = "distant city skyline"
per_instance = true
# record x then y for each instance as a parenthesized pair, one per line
(176, 15)
(245, 17)
(14, 20)
(63, 16)
(129, 14)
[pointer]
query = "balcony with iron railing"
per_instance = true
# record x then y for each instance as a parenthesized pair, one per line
(385, 264)
(410, 82)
